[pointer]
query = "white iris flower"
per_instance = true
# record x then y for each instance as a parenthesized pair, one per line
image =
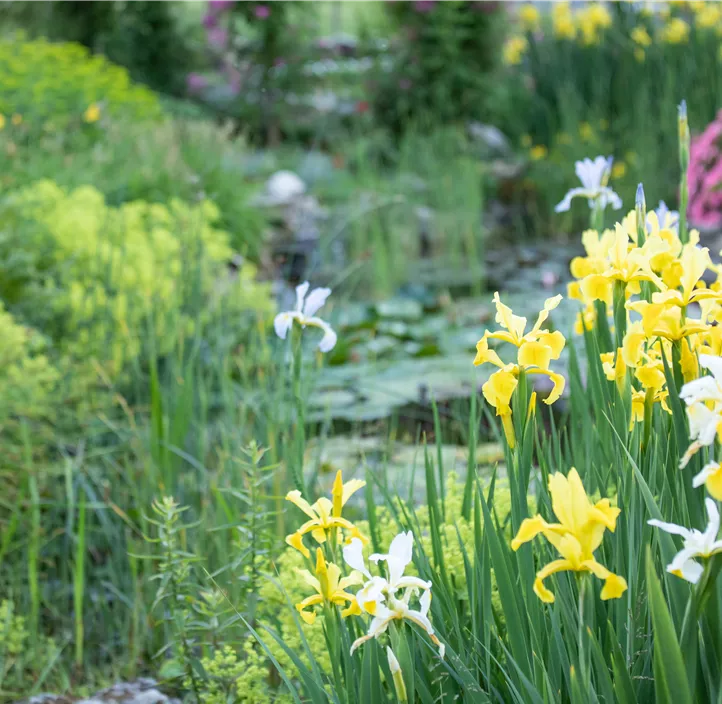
(304, 313)
(594, 176)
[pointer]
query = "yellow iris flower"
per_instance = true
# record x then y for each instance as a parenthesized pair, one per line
(324, 514)
(577, 535)
(535, 351)
(330, 587)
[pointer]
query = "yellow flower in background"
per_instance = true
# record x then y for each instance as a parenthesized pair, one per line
(526, 141)
(2, 121)
(708, 15)
(329, 587)
(676, 31)
(586, 132)
(324, 514)
(538, 152)
(564, 138)
(563, 21)
(619, 170)
(591, 21)
(639, 54)
(577, 535)
(92, 114)
(641, 37)
(514, 50)
(17, 119)
(529, 18)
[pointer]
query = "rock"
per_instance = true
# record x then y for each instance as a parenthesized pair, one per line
(281, 189)
(142, 691)
(491, 137)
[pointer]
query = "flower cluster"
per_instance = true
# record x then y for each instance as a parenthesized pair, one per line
(705, 176)
(591, 23)
(384, 598)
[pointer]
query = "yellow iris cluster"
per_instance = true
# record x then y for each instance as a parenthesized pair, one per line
(660, 280)
(589, 24)
(535, 351)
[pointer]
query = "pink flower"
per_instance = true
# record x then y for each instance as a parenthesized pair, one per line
(262, 12)
(217, 37)
(195, 82)
(221, 5)
(424, 6)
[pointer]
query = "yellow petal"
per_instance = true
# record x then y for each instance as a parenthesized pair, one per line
(484, 354)
(597, 288)
(554, 340)
(295, 540)
(528, 530)
(614, 587)
(714, 484)
(499, 389)
(295, 498)
(350, 488)
(534, 354)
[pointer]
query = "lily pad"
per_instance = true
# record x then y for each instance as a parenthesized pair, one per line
(400, 309)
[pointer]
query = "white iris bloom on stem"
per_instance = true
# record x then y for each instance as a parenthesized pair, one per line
(697, 544)
(703, 397)
(594, 176)
(304, 313)
(388, 598)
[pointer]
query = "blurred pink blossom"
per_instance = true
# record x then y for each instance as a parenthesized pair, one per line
(424, 5)
(220, 5)
(704, 176)
(195, 82)
(262, 12)
(217, 37)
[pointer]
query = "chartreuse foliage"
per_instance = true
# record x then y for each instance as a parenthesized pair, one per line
(91, 290)
(580, 593)
(51, 86)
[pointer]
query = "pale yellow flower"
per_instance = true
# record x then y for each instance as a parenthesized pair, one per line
(577, 535)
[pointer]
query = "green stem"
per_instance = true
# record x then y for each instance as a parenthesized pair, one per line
(299, 425)
(620, 312)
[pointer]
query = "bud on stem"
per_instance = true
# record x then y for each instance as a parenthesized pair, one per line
(684, 139)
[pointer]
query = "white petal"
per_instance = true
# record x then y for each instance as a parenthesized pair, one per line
(714, 364)
(282, 324)
(686, 566)
(353, 556)
(713, 516)
(566, 203)
(425, 602)
(409, 582)
(420, 619)
(672, 528)
(703, 389)
(328, 341)
(315, 300)
(373, 590)
(301, 291)
(702, 423)
(702, 477)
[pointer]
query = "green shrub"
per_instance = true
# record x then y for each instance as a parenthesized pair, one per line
(104, 283)
(51, 86)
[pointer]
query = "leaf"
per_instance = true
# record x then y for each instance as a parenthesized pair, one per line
(670, 674)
